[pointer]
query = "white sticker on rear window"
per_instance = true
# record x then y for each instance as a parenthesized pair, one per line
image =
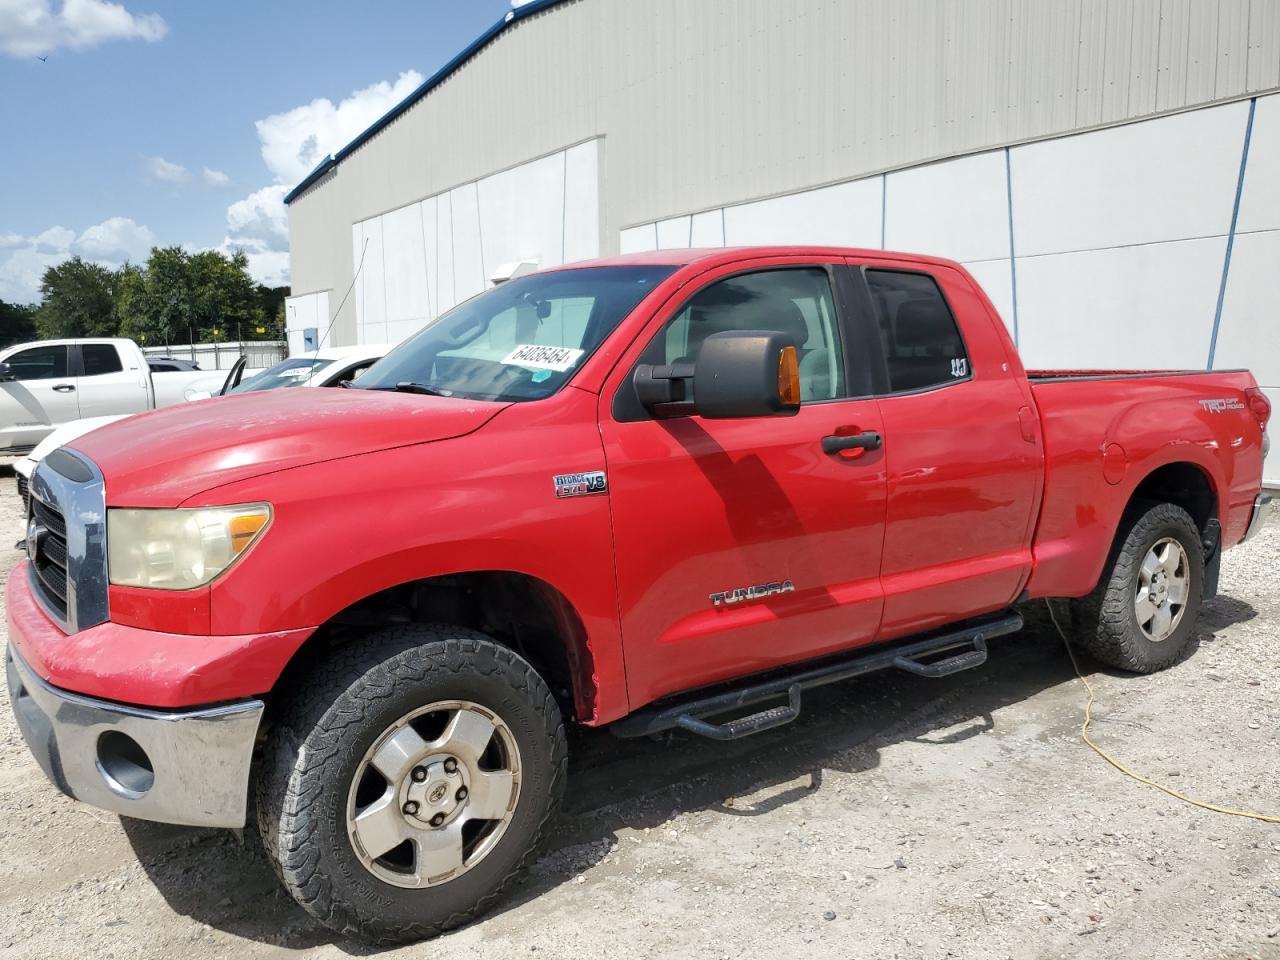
(541, 357)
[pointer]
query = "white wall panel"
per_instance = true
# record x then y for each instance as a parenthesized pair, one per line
(638, 239)
(1163, 179)
(468, 258)
(402, 329)
(357, 282)
(995, 277)
(1271, 465)
(372, 309)
(404, 264)
(708, 229)
(1249, 334)
(582, 202)
(430, 211)
(310, 310)
(673, 233)
(1260, 199)
(522, 213)
(1145, 306)
(846, 214)
(444, 252)
(957, 209)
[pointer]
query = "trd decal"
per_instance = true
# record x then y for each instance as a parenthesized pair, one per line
(1222, 404)
(758, 592)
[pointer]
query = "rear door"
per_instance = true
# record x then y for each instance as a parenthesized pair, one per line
(40, 396)
(964, 469)
(108, 383)
(741, 544)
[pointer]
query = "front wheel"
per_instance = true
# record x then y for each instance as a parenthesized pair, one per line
(1143, 613)
(405, 785)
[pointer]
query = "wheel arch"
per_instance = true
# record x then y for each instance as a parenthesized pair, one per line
(518, 610)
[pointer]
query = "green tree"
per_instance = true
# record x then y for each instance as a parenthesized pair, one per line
(272, 299)
(77, 301)
(131, 320)
(225, 298)
(166, 307)
(17, 323)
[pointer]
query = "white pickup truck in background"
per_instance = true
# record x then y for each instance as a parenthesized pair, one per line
(51, 382)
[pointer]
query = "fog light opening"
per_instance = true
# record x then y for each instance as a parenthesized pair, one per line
(124, 765)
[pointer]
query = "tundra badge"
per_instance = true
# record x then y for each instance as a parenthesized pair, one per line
(758, 592)
(580, 484)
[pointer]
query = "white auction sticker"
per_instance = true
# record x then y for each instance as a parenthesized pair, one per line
(541, 357)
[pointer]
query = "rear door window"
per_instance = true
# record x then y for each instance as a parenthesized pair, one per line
(922, 344)
(100, 358)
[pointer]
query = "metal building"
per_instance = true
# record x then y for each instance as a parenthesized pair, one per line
(1108, 169)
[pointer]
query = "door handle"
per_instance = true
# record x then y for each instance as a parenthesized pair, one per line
(858, 441)
(65, 387)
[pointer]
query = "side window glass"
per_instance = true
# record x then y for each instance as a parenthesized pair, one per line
(793, 301)
(922, 345)
(39, 363)
(100, 358)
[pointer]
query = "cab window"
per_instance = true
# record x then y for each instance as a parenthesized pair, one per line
(921, 342)
(795, 301)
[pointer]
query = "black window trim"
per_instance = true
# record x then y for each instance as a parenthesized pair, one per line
(858, 373)
(866, 318)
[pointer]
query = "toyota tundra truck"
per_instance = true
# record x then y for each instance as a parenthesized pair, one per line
(664, 491)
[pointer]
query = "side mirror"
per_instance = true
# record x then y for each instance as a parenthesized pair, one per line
(739, 373)
(6, 372)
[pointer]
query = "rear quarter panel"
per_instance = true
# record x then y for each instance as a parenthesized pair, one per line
(1145, 422)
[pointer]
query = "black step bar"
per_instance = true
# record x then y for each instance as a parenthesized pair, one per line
(688, 714)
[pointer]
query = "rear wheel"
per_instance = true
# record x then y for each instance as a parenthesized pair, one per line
(1142, 615)
(406, 784)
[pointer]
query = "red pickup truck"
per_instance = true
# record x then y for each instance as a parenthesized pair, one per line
(669, 490)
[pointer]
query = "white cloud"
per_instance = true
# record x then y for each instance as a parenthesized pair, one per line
(162, 171)
(31, 28)
(295, 141)
(114, 241)
(215, 178)
(260, 216)
(109, 243)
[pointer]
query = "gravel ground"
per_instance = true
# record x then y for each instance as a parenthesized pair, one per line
(899, 817)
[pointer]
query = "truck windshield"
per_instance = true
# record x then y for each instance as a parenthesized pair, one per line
(293, 372)
(520, 341)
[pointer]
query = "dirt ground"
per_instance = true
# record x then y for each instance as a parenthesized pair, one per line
(899, 817)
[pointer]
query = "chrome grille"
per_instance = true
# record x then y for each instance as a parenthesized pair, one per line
(47, 549)
(66, 540)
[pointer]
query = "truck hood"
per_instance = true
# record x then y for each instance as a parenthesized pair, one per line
(162, 458)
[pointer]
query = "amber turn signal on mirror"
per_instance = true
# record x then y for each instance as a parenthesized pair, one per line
(789, 377)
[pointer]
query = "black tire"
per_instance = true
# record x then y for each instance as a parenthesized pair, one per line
(323, 733)
(1106, 623)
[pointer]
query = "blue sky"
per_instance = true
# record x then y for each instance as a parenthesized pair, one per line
(157, 121)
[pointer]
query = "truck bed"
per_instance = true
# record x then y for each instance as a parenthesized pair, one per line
(1105, 430)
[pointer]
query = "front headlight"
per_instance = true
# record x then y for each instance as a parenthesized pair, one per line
(179, 549)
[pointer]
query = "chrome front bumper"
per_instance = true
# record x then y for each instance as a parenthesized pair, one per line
(185, 766)
(1261, 510)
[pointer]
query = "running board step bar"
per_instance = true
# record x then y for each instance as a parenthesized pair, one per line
(690, 714)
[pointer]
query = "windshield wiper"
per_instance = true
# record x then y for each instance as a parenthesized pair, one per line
(408, 386)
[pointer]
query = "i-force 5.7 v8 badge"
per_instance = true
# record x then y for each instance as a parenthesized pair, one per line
(758, 592)
(580, 484)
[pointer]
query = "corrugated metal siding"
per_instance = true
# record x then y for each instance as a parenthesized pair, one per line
(715, 102)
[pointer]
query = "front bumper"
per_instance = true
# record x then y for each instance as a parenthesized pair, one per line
(1262, 504)
(182, 766)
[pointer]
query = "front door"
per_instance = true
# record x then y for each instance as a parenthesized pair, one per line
(741, 544)
(40, 395)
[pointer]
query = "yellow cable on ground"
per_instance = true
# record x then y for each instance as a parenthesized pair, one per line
(1084, 735)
